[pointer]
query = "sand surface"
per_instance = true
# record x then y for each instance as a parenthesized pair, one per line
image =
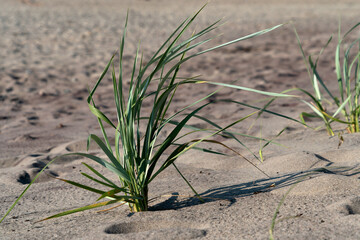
(53, 50)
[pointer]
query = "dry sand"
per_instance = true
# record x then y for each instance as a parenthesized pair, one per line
(51, 50)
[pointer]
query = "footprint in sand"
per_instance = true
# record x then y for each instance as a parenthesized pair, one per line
(3, 98)
(4, 118)
(178, 230)
(27, 175)
(23, 138)
(30, 165)
(350, 206)
(17, 103)
(67, 110)
(32, 118)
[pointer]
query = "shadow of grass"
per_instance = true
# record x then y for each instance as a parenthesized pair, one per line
(231, 193)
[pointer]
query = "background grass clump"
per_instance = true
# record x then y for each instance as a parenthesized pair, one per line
(346, 101)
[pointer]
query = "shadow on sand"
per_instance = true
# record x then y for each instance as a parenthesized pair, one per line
(231, 193)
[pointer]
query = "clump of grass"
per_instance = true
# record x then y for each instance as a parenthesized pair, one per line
(347, 59)
(138, 158)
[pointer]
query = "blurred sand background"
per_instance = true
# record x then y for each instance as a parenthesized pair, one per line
(52, 50)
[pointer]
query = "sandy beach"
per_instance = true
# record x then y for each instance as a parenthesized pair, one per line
(52, 51)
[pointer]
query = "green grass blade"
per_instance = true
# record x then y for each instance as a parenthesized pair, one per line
(189, 106)
(272, 94)
(82, 186)
(322, 50)
(176, 50)
(273, 222)
(100, 115)
(206, 139)
(169, 140)
(317, 111)
(97, 180)
(265, 110)
(155, 57)
(338, 66)
(162, 61)
(116, 95)
(108, 153)
(268, 142)
(226, 133)
(316, 88)
(118, 171)
(149, 132)
(110, 194)
(351, 29)
(205, 150)
(170, 160)
(342, 106)
(302, 52)
(95, 205)
(237, 153)
(100, 175)
(240, 39)
(337, 119)
(101, 126)
(188, 183)
(309, 115)
(219, 46)
(316, 74)
(185, 147)
(99, 80)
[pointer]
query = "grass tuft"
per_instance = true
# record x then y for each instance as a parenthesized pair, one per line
(138, 156)
(347, 67)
